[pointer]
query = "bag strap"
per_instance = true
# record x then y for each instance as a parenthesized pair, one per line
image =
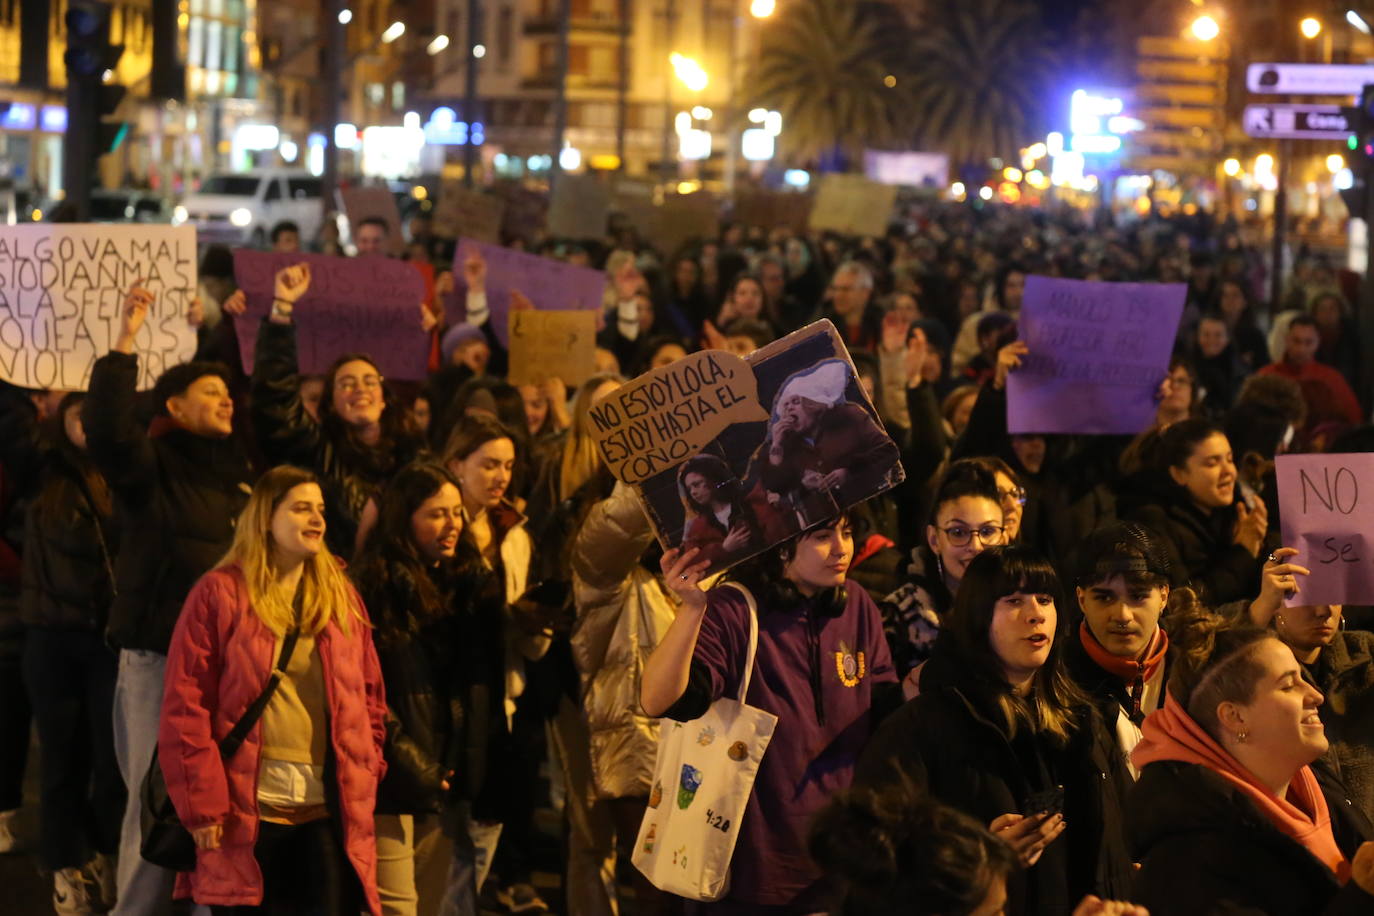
(234, 740)
(753, 638)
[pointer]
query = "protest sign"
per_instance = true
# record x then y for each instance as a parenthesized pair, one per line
(62, 291)
(526, 210)
(732, 456)
(1324, 506)
(684, 218)
(461, 211)
(772, 209)
(365, 203)
(362, 305)
(547, 283)
(853, 205)
(578, 207)
(1098, 352)
(546, 345)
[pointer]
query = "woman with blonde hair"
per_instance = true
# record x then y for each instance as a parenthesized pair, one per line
(276, 632)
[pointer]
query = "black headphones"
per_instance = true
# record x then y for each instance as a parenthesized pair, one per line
(829, 602)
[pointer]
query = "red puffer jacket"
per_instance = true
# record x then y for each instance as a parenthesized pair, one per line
(218, 663)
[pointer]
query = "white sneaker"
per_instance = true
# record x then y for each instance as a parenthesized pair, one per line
(76, 892)
(9, 836)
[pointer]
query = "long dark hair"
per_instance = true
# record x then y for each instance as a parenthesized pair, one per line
(396, 427)
(390, 549)
(765, 574)
(81, 478)
(1056, 705)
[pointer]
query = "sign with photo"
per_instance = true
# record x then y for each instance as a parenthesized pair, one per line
(732, 456)
(372, 203)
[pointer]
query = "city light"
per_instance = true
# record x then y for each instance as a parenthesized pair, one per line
(796, 178)
(757, 145)
(890, 81)
(1357, 21)
(958, 191)
(1036, 151)
(756, 115)
(985, 192)
(479, 51)
(701, 113)
(1054, 143)
(1231, 167)
(289, 151)
(1344, 180)
(1310, 27)
(689, 71)
(439, 43)
(345, 17)
(1037, 179)
(393, 32)
(762, 9)
(1205, 28)
(569, 158)
(1334, 163)
(772, 122)
(1012, 173)
(1264, 163)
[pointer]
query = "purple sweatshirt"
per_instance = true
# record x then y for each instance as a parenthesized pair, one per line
(816, 673)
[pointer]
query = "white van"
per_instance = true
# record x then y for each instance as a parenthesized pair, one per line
(241, 208)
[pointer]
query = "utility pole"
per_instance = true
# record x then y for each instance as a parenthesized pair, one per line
(334, 47)
(622, 94)
(89, 98)
(560, 91)
(470, 89)
(666, 165)
(1281, 170)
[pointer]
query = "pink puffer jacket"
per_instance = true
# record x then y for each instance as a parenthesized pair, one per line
(218, 663)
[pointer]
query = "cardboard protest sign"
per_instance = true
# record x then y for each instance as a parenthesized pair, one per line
(364, 203)
(578, 207)
(1324, 505)
(684, 218)
(549, 284)
(772, 209)
(62, 291)
(526, 211)
(363, 305)
(733, 456)
(546, 345)
(461, 211)
(853, 205)
(1098, 352)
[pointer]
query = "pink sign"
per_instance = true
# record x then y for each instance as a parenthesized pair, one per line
(1325, 505)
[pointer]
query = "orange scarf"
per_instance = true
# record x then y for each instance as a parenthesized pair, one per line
(1171, 734)
(1134, 672)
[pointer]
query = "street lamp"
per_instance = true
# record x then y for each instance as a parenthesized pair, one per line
(762, 9)
(691, 73)
(1231, 167)
(345, 16)
(1357, 21)
(439, 43)
(393, 32)
(1205, 28)
(1310, 27)
(1334, 163)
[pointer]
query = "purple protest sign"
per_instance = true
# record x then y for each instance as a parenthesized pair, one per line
(549, 284)
(1324, 503)
(364, 305)
(1098, 352)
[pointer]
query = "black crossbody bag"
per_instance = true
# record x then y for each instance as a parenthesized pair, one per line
(166, 842)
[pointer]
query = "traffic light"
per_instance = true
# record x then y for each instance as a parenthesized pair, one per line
(92, 97)
(89, 52)
(1361, 145)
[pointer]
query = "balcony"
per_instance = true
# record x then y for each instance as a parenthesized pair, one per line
(546, 23)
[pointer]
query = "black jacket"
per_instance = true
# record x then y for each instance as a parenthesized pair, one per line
(350, 474)
(69, 552)
(440, 676)
(949, 740)
(1206, 849)
(21, 458)
(177, 496)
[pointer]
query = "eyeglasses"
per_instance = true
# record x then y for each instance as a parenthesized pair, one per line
(1016, 494)
(988, 535)
(349, 384)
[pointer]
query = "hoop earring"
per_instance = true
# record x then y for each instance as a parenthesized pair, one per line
(940, 566)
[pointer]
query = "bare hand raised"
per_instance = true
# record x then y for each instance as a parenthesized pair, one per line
(682, 573)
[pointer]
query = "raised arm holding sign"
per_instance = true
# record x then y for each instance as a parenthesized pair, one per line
(1325, 506)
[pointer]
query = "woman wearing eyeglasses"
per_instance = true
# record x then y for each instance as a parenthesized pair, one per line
(361, 438)
(1001, 732)
(965, 519)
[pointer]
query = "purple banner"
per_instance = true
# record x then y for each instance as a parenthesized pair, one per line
(1098, 352)
(547, 283)
(365, 305)
(1324, 504)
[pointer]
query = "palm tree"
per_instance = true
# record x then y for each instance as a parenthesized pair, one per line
(980, 76)
(821, 65)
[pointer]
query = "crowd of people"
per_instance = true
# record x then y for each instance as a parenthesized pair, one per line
(1045, 674)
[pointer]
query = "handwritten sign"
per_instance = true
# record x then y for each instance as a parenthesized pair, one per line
(549, 284)
(686, 217)
(546, 345)
(366, 203)
(62, 293)
(363, 305)
(669, 414)
(578, 207)
(461, 211)
(772, 209)
(853, 205)
(1325, 506)
(1098, 352)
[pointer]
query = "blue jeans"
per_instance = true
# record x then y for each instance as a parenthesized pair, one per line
(144, 888)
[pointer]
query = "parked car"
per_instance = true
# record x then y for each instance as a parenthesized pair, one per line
(129, 207)
(241, 208)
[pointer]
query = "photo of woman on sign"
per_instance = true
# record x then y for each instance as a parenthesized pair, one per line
(720, 522)
(821, 450)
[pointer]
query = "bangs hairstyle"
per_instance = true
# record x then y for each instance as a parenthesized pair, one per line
(1055, 705)
(1213, 662)
(327, 597)
(764, 574)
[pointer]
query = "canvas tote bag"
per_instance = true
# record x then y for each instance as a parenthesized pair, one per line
(702, 779)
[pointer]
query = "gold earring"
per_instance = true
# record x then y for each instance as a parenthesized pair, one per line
(1279, 620)
(1241, 736)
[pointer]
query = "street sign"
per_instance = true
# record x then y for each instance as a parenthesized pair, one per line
(1309, 79)
(1296, 122)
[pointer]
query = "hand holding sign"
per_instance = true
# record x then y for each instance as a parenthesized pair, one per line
(1323, 503)
(137, 301)
(1278, 583)
(289, 285)
(1008, 358)
(669, 414)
